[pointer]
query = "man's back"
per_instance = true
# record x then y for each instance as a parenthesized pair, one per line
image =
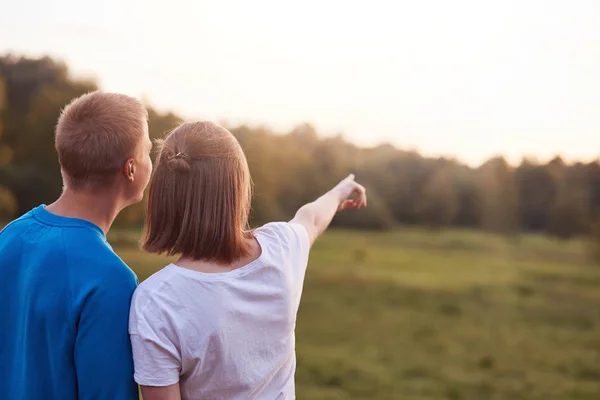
(64, 309)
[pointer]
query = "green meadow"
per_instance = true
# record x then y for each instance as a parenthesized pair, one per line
(457, 315)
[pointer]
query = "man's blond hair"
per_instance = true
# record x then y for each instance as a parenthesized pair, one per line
(95, 135)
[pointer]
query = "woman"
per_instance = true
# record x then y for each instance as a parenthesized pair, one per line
(219, 322)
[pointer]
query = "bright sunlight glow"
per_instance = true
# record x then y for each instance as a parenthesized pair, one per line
(468, 79)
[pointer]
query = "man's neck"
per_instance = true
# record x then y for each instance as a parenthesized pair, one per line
(99, 209)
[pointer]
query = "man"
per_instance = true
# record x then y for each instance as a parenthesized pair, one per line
(64, 295)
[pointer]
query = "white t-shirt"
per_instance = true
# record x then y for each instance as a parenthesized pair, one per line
(224, 335)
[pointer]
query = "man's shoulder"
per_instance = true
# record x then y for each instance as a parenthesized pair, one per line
(25, 234)
(94, 258)
(18, 225)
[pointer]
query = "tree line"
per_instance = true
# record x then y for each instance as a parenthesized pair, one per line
(289, 169)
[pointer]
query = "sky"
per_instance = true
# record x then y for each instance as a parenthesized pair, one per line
(466, 79)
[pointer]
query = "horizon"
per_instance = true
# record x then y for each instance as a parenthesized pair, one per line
(465, 81)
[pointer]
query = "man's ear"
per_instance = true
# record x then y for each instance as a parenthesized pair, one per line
(129, 169)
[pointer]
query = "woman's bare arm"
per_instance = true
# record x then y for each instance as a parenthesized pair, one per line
(317, 215)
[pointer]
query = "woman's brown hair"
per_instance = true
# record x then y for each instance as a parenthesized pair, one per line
(199, 197)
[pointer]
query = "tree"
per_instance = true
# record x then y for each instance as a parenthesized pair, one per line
(5, 151)
(570, 212)
(375, 217)
(161, 123)
(469, 199)
(498, 196)
(36, 90)
(439, 201)
(294, 168)
(537, 189)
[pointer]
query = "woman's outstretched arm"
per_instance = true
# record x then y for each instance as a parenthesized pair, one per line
(317, 215)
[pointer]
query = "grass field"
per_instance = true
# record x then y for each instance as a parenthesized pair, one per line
(456, 315)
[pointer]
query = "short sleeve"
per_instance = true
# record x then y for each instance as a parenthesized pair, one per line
(293, 244)
(301, 243)
(102, 352)
(156, 358)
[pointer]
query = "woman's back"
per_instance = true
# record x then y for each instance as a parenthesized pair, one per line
(224, 335)
(220, 323)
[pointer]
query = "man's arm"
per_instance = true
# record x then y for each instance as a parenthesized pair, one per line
(317, 216)
(103, 360)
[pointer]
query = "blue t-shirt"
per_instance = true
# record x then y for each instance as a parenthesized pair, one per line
(64, 309)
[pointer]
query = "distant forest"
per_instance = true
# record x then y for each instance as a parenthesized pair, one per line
(292, 168)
